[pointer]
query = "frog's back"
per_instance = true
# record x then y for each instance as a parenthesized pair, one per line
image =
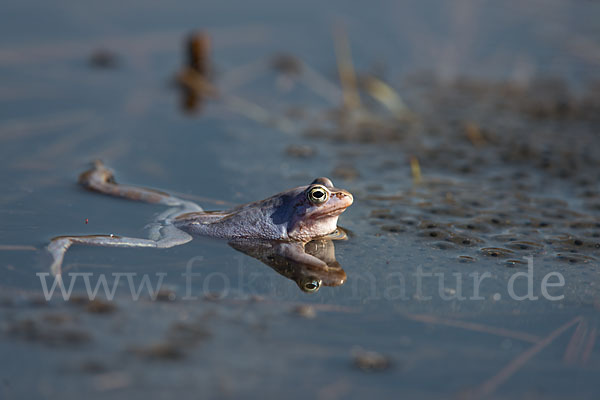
(253, 220)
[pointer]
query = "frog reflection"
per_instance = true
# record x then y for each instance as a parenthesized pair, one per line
(310, 265)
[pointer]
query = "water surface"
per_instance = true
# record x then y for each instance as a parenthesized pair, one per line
(508, 150)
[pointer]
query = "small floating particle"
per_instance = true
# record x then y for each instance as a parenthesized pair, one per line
(103, 58)
(450, 291)
(305, 310)
(513, 263)
(57, 319)
(300, 151)
(111, 381)
(159, 351)
(187, 334)
(286, 64)
(166, 295)
(213, 296)
(393, 228)
(382, 213)
(370, 360)
(93, 367)
(97, 306)
(442, 245)
(31, 330)
(496, 252)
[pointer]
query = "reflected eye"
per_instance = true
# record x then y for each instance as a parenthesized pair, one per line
(311, 286)
(318, 195)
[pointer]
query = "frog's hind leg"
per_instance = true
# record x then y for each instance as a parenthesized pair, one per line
(162, 233)
(101, 179)
(170, 237)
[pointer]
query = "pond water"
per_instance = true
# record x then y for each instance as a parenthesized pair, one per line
(471, 266)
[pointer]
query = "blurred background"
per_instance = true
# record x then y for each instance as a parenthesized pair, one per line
(467, 132)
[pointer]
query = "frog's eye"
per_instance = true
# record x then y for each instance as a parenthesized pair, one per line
(318, 195)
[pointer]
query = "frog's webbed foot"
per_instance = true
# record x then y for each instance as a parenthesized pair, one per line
(170, 237)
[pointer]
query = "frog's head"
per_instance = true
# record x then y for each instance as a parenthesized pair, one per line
(316, 208)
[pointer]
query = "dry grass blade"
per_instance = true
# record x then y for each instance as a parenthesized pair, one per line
(387, 96)
(489, 387)
(415, 169)
(239, 76)
(320, 85)
(576, 344)
(350, 95)
(589, 346)
(257, 113)
(474, 327)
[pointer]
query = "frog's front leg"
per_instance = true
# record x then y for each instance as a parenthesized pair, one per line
(170, 237)
(296, 253)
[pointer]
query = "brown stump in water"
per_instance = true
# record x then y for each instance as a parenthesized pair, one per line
(194, 77)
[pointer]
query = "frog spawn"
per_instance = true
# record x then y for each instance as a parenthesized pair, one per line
(527, 232)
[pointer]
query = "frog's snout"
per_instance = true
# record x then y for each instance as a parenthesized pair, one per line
(345, 196)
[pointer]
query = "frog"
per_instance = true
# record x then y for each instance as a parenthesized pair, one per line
(288, 220)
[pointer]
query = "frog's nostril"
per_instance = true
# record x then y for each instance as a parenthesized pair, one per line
(350, 198)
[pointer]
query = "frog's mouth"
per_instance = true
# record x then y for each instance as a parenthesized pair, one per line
(331, 213)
